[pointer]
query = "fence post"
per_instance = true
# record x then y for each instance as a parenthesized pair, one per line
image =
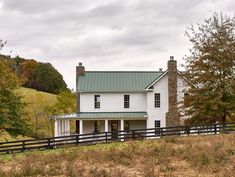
(106, 137)
(215, 128)
(77, 140)
(49, 143)
(224, 127)
(23, 145)
(161, 132)
(133, 134)
(187, 130)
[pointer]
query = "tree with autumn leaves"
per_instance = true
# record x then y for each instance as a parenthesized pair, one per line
(211, 70)
(11, 106)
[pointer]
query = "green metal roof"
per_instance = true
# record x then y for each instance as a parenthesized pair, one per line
(116, 81)
(104, 115)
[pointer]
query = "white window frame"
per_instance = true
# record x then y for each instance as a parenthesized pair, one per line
(157, 100)
(97, 101)
(126, 101)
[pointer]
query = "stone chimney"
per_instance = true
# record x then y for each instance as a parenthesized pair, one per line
(172, 116)
(80, 70)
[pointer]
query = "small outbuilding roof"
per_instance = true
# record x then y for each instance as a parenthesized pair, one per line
(104, 115)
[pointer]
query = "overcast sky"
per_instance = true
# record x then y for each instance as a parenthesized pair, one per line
(103, 34)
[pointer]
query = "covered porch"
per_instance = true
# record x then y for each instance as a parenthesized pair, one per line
(97, 122)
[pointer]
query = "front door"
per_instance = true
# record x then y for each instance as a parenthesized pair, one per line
(114, 129)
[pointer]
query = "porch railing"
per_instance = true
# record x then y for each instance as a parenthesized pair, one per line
(105, 137)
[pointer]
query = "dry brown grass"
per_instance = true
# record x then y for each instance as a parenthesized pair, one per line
(172, 156)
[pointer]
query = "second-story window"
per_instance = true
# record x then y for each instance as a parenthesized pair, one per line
(157, 100)
(126, 101)
(97, 101)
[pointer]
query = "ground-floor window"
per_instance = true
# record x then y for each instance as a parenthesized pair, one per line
(157, 124)
(126, 125)
(96, 126)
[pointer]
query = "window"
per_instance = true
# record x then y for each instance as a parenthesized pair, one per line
(126, 101)
(157, 124)
(97, 101)
(96, 126)
(157, 100)
(127, 125)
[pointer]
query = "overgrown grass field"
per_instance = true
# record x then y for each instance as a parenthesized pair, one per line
(171, 156)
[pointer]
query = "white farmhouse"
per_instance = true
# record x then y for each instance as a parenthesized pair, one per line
(124, 100)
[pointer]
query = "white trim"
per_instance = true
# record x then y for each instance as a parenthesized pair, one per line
(156, 80)
(185, 78)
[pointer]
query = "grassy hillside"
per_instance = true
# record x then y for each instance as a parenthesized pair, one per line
(31, 94)
(173, 156)
(37, 102)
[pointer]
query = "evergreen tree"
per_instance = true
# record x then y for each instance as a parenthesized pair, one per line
(210, 68)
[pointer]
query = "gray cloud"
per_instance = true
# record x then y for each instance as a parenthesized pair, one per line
(103, 34)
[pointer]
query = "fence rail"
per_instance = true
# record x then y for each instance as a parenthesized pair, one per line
(105, 137)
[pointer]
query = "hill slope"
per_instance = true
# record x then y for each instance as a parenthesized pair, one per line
(36, 102)
(171, 156)
(32, 94)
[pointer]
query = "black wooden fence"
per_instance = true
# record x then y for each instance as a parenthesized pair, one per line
(105, 137)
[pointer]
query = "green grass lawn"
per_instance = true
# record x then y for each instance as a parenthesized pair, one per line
(204, 156)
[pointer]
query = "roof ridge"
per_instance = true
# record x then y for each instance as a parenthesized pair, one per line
(115, 112)
(126, 71)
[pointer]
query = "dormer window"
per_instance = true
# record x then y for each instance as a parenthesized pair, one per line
(97, 101)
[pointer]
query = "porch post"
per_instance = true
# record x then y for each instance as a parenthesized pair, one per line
(62, 131)
(56, 128)
(59, 127)
(68, 127)
(80, 128)
(65, 127)
(122, 129)
(106, 126)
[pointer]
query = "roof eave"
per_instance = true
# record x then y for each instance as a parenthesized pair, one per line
(156, 80)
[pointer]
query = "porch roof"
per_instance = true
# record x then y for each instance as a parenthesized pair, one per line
(104, 115)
